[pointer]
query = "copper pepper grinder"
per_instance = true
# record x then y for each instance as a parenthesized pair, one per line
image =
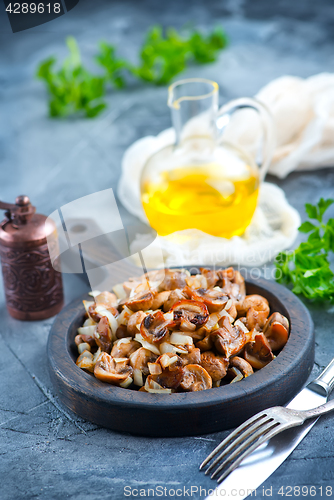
(34, 290)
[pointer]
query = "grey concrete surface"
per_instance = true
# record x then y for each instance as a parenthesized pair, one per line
(46, 452)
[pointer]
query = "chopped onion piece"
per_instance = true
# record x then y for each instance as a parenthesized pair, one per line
(87, 330)
(228, 304)
(119, 291)
(151, 384)
(238, 375)
(155, 368)
(159, 391)
(169, 316)
(120, 360)
(241, 325)
(166, 361)
(87, 304)
(128, 381)
(83, 347)
(85, 354)
(180, 339)
(146, 344)
(94, 293)
(89, 322)
(225, 313)
(138, 377)
(124, 340)
(111, 319)
(97, 355)
(123, 318)
(166, 347)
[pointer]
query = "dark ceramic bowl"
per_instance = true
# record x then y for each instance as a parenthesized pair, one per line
(184, 413)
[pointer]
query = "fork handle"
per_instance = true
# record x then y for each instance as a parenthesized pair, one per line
(324, 384)
(320, 410)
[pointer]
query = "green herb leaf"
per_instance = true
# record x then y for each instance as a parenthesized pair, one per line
(72, 89)
(306, 227)
(308, 268)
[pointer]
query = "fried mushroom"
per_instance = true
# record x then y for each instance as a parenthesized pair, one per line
(107, 370)
(256, 309)
(193, 357)
(174, 278)
(214, 299)
(174, 297)
(195, 378)
(102, 335)
(229, 339)
(258, 353)
(142, 301)
(215, 365)
(276, 331)
(134, 322)
(189, 314)
(123, 348)
(154, 327)
(242, 365)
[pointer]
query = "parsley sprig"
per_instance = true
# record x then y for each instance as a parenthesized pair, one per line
(73, 90)
(308, 267)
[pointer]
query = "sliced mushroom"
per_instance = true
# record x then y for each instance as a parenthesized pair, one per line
(215, 365)
(195, 378)
(141, 301)
(160, 299)
(123, 348)
(170, 360)
(276, 331)
(122, 332)
(215, 300)
(174, 297)
(256, 310)
(258, 353)
(107, 370)
(103, 335)
(232, 282)
(107, 299)
(206, 344)
(96, 316)
(154, 327)
(88, 339)
(229, 340)
(85, 361)
(169, 379)
(140, 358)
(193, 356)
(242, 365)
(133, 326)
(174, 278)
(189, 313)
(211, 276)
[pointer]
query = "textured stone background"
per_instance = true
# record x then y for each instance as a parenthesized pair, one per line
(46, 452)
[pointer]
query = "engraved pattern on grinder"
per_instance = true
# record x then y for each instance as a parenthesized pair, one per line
(33, 287)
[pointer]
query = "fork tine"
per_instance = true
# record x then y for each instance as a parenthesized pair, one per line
(258, 424)
(231, 436)
(259, 431)
(263, 439)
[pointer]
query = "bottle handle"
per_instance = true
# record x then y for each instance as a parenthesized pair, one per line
(268, 134)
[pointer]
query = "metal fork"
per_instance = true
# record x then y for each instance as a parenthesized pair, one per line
(254, 432)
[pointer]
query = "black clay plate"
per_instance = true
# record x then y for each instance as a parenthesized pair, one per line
(185, 413)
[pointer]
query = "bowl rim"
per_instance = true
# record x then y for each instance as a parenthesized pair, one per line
(78, 381)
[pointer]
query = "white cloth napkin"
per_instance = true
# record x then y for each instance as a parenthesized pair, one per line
(303, 114)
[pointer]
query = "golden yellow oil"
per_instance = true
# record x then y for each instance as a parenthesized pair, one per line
(202, 198)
